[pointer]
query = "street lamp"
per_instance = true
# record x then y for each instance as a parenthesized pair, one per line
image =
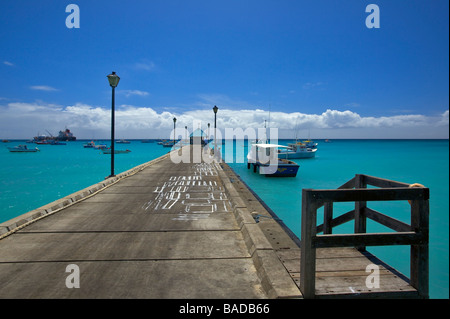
(174, 121)
(113, 82)
(215, 109)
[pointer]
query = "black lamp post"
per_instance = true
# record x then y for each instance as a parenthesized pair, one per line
(174, 121)
(113, 82)
(215, 109)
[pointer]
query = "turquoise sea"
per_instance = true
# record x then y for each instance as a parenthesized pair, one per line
(31, 180)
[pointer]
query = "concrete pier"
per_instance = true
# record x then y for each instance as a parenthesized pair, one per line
(161, 230)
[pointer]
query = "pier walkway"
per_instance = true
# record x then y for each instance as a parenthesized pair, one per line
(196, 231)
(162, 230)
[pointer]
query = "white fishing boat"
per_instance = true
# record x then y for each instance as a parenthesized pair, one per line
(22, 149)
(310, 144)
(297, 150)
(265, 161)
(109, 151)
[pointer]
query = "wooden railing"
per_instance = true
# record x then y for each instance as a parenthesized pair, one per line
(355, 190)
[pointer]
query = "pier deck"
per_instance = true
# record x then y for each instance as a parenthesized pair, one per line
(166, 230)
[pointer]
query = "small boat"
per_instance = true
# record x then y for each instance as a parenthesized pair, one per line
(22, 149)
(43, 142)
(100, 146)
(265, 161)
(123, 142)
(297, 150)
(168, 143)
(54, 142)
(108, 151)
(310, 144)
(90, 144)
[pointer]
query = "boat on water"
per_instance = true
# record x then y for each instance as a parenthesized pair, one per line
(297, 150)
(310, 144)
(122, 142)
(265, 161)
(108, 151)
(169, 143)
(92, 144)
(55, 142)
(22, 149)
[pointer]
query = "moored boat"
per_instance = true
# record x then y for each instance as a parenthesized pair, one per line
(310, 144)
(168, 143)
(297, 150)
(108, 151)
(265, 161)
(22, 149)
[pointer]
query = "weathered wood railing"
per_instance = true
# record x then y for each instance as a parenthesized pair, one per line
(355, 190)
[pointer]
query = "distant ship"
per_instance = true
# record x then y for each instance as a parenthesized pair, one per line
(65, 135)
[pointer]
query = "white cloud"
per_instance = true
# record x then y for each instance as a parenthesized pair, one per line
(43, 88)
(129, 93)
(444, 119)
(8, 63)
(311, 85)
(146, 66)
(23, 120)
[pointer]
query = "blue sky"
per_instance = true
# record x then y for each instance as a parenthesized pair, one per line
(313, 65)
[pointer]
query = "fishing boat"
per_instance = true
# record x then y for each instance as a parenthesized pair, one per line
(22, 149)
(168, 143)
(265, 161)
(100, 146)
(54, 142)
(43, 142)
(310, 144)
(123, 142)
(90, 144)
(108, 151)
(297, 150)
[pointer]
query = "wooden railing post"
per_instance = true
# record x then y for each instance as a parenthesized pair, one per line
(308, 251)
(360, 215)
(419, 277)
(327, 218)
